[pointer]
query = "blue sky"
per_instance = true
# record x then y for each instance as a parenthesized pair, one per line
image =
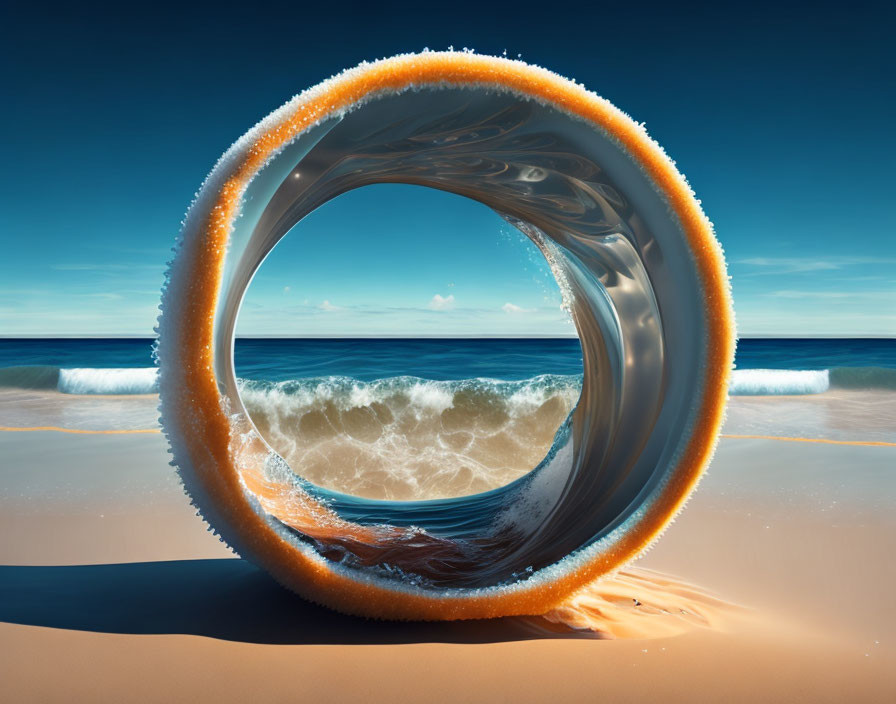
(391, 258)
(780, 117)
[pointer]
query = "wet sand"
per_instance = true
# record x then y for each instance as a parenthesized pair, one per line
(111, 589)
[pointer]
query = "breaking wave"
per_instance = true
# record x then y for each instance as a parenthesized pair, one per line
(406, 438)
(798, 382)
(83, 380)
(342, 390)
(773, 382)
(108, 381)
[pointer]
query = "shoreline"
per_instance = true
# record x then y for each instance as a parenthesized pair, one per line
(723, 436)
(129, 582)
(850, 415)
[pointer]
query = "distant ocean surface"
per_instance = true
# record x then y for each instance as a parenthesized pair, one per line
(764, 366)
(430, 418)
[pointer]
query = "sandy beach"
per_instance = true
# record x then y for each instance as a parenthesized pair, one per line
(574, 327)
(112, 589)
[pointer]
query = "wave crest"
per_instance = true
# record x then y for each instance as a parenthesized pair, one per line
(108, 381)
(431, 395)
(773, 382)
(405, 438)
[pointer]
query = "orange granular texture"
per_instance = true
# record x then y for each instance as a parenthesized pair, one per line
(210, 438)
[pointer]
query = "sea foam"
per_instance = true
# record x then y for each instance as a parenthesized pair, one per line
(108, 381)
(774, 382)
(426, 395)
(406, 438)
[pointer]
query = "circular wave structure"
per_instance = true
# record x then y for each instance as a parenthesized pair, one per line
(641, 272)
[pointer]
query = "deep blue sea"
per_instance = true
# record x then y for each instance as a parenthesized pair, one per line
(454, 358)
(871, 360)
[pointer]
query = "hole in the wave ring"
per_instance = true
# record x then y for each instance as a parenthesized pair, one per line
(404, 343)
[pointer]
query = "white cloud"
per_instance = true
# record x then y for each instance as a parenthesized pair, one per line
(442, 302)
(286, 289)
(329, 307)
(800, 265)
(873, 295)
(513, 309)
(788, 265)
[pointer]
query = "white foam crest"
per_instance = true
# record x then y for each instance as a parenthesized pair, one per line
(108, 381)
(527, 398)
(424, 395)
(361, 396)
(778, 382)
(431, 396)
(535, 393)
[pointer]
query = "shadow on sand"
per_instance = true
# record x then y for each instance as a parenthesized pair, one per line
(228, 599)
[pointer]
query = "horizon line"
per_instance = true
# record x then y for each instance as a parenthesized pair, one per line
(50, 336)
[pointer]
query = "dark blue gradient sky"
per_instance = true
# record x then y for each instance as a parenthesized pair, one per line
(780, 116)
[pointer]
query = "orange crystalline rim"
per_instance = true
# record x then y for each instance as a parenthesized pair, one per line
(205, 428)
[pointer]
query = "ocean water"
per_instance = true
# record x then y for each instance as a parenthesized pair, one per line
(433, 418)
(435, 359)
